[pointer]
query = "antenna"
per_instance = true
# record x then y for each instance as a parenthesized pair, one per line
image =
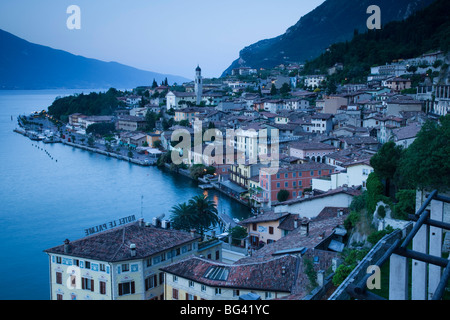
(142, 198)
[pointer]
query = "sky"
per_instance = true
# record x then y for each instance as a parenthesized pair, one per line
(165, 36)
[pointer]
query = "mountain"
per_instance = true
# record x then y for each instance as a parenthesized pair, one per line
(426, 30)
(333, 21)
(24, 65)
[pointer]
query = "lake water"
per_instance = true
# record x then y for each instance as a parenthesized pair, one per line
(44, 201)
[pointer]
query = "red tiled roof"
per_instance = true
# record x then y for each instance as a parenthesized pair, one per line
(275, 274)
(114, 245)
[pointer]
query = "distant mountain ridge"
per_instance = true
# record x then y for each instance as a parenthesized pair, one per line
(333, 21)
(24, 65)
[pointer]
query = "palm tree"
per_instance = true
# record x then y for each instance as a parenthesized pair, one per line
(182, 217)
(205, 212)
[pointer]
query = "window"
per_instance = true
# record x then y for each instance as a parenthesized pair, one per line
(299, 183)
(150, 282)
(76, 262)
(87, 264)
(236, 293)
(58, 260)
(270, 230)
(293, 194)
(87, 284)
(268, 295)
(163, 257)
(312, 172)
(59, 296)
(286, 184)
(59, 277)
(217, 255)
(203, 288)
(294, 174)
(102, 267)
(218, 291)
(294, 183)
(174, 294)
(102, 287)
(190, 296)
(126, 288)
(191, 284)
(254, 226)
(286, 175)
(278, 184)
(174, 278)
(125, 267)
(161, 277)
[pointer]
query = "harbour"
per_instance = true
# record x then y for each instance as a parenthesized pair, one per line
(46, 201)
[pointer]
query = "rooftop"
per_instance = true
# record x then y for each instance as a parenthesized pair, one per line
(114, 245)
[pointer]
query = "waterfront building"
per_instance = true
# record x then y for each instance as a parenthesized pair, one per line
(292, 178)
(197, 278)
(131, 123)
(121, 263)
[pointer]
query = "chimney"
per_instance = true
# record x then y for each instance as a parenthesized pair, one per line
(141, 222)
(304, 227)
(133, 249)
(192, 233)
(67, 246)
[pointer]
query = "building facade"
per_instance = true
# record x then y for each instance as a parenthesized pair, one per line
(117, 264)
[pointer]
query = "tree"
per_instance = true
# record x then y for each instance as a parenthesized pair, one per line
(182, 217)
(405, 205)
(385, 163)
(205, 213)
(273, 90)
(154, 84)
(238, 233)
(285, 89)
(425, 163)
(282, 195)
(91, 141)
(374, 191)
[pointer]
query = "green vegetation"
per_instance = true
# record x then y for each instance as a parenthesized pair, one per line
(350, 259)
(199, 213)
(91, 104)
(238, 233)
(282, 195)
(423, 31)
(101, 129)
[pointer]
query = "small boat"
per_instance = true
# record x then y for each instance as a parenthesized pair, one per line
(205, 186)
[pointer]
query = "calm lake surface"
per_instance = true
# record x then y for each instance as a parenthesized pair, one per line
(44, 201)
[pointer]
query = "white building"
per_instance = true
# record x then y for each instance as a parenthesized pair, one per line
(119, 262)
(314, 81)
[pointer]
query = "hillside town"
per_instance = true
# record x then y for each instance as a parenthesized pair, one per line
(325, 138)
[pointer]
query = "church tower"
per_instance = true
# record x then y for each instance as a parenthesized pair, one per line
(198, 84)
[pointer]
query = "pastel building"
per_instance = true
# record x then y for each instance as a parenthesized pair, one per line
(118, 264)
(196, 278)
(293, 178)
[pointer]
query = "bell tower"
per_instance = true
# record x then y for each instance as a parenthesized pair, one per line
(198, 84)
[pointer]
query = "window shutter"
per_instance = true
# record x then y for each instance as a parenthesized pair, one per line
(155, 280)
(92, 285)
(120, 289)
(187, 296)
(82, 283)
(132, 286)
